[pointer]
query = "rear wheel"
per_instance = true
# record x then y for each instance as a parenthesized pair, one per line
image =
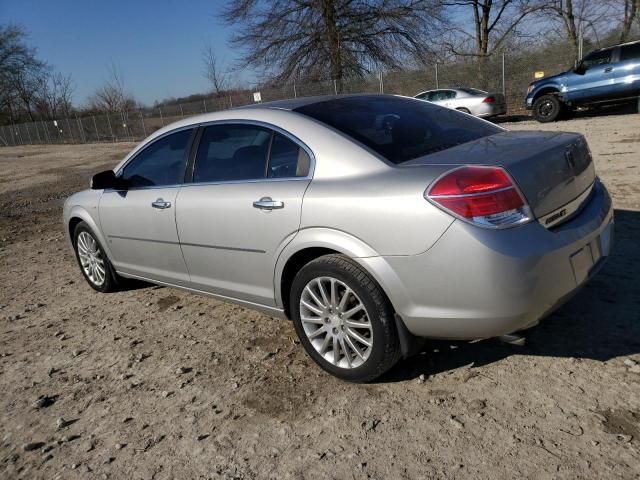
(343, 319)
(547, 108)
(94, 264)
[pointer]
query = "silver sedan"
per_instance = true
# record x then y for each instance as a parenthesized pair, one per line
(468, 100)
(371, 221)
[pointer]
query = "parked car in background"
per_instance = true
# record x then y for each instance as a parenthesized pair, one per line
(606, 76)
(468, 100)
(371, 221)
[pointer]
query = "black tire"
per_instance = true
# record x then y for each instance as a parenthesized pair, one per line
(385, 349)
(463, 110)
(547, 108)
(110, 283)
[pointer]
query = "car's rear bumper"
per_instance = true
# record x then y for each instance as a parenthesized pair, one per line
(479, 283)
(486, 110)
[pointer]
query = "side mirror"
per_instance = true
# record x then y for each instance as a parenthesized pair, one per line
(106, 179)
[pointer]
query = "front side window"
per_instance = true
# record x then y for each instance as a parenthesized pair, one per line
(159, 164)
(235, 152)
(596, 59)
(398, 128)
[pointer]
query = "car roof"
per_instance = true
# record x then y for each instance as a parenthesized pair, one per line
(293, 103)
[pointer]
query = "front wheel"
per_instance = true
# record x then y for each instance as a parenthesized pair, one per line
(343, 319)
(94, 264)
(547, 108)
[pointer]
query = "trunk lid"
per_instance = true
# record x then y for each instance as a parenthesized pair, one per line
(551, 169)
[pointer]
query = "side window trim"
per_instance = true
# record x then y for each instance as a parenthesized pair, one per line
(188, 180)
(190, 144)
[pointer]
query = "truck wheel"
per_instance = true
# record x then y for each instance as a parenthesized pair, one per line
(547, 108)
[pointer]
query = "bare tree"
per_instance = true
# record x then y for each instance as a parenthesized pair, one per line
(54, 95)
(213, 71)
(631, 11)
(492, 24)
(112, 96)
(19, 69)
(291, 39)
(580, 17)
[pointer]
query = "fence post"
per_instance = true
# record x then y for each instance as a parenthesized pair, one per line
(35, 124)
(230, 102)
(73, 140)
(181, 112)
(17, 127)
(144, 129)
(335, 86)
(26, 125)
(113, 139)
(504, 86)
(44, 131)
(437, 86)
(95, 125)
(295, 94)
(381, 83)
(204, 102)
(80, 129)
(161, 119)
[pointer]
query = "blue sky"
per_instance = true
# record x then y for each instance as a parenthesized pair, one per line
(157, 45)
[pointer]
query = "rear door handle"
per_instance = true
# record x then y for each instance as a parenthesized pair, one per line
(161, 204)
(608, 69)
(267, 203)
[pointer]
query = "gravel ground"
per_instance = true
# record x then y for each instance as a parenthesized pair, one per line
(158, 383)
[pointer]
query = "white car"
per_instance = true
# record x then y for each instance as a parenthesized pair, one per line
(468, 100)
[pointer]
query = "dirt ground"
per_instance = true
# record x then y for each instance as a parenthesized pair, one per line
(158, 383)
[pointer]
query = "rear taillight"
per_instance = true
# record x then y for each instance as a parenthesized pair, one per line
(489, 100)
(484, 196)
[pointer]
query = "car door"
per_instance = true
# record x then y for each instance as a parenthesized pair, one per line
(449, 98)
(627, 72)
(139, 221)
(241, 206)
(593, 80)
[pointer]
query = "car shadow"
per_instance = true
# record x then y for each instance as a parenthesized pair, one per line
(601, 322)
(621, 109)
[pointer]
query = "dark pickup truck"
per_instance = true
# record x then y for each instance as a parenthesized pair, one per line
(605, 76)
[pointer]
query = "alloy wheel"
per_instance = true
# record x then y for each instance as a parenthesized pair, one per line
(91, 258)
(336, 322)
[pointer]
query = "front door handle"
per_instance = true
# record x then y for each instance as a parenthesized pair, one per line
(267, 203)
(161, 204)
(608, 69)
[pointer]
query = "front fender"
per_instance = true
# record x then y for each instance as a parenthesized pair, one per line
(90, 217)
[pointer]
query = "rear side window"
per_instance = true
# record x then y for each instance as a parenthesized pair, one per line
(287, 159)
(398, 128)
(234, 152)
(630, 52)
(159, 164)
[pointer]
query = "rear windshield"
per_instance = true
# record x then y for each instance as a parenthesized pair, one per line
(473, 91)
(398, 128)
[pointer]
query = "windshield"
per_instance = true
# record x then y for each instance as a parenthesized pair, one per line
(398, 128)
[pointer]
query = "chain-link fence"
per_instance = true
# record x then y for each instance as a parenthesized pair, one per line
(501, 74)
